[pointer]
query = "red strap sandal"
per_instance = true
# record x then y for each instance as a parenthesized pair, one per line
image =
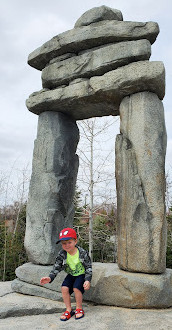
(79, 311)
(67, 315)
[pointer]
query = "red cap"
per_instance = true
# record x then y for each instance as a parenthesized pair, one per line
(66, 234)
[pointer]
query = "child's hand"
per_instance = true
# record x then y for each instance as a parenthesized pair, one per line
(45, 280)
(86, 285)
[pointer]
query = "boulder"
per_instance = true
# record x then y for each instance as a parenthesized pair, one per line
(50, 203)
(101, 95)
(35, 290)
(94, 35)
(97, 14)
(140, 177)
(109, 286)
(32, 273)
(95, 62)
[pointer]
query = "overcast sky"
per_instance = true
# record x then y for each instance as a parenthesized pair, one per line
(26, 25)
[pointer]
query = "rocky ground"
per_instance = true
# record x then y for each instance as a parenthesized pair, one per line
(24, 312)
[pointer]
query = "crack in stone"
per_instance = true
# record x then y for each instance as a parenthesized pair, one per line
(6, 294)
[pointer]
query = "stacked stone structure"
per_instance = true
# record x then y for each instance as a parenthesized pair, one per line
(101, 67)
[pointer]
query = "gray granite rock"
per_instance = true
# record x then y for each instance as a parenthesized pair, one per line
(31, 273)
(140, 175)
(54, 170)
(97, 14)
(95, 62)
(94, 35)
(35, 290)
(5, 288)
(101, 95)
(97, 318)
(110, 285)
(14, 304)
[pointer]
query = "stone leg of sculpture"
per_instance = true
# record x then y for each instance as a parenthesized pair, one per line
(52, 186)
(140, 176)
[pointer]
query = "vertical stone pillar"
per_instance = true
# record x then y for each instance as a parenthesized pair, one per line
(54, 172)
(140, 176)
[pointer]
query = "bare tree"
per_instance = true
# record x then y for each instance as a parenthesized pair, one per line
(168, 198)
(21, 193)
(96, 172)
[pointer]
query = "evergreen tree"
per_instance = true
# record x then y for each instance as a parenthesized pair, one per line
(12, 252)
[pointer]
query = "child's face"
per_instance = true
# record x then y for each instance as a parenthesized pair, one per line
(69, 245)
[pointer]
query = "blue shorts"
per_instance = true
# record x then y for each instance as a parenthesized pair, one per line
(74, 282)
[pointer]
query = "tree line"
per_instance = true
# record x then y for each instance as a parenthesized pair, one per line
(12, 251)
(13, 254)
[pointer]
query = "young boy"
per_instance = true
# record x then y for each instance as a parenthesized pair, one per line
(77, 264)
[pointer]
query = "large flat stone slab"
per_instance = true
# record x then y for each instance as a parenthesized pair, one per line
(112, 286)
(97, 318)
(32, 273)
(35, 290)
(93, 35)
(95, 62)
(15, 304)
(101, 95)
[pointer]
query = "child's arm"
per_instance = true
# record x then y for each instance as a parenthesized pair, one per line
(58, 266)
(88, 267)
(45, 280)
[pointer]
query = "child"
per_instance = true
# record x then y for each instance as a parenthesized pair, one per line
(77, 264)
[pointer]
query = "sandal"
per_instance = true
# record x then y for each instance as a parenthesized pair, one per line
(68, 315)
(79, 311)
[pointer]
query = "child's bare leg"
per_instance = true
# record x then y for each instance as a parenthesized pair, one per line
(66, 299)
(78, 298)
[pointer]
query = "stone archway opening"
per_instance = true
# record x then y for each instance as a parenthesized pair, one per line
(104, 132)
(96, 186)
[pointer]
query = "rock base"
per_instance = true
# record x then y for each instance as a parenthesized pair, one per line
(110, 286)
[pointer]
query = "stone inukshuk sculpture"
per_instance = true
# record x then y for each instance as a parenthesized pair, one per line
(99, 68)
